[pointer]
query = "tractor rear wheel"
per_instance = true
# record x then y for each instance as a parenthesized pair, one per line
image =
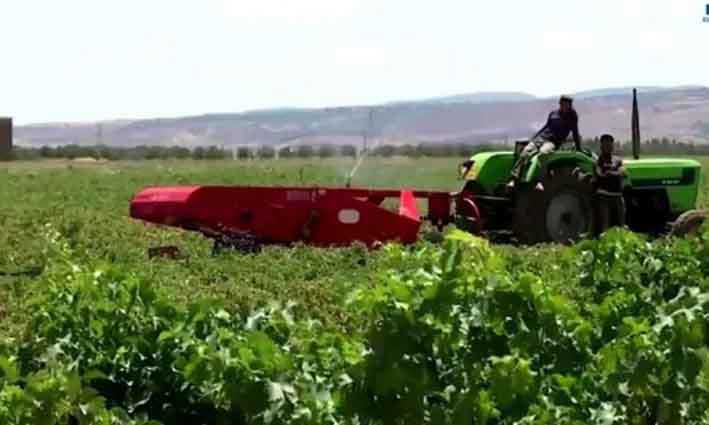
(688, 223)
(563, 212)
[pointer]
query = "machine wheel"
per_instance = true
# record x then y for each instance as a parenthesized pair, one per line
(467, 216)
(242, 242)
(171, 252)
(562, 213)
(688, 223)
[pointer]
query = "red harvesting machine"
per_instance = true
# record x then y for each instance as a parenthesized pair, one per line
(244, 217)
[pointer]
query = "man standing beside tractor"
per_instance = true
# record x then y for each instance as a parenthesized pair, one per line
(559, 124)
(608, 176)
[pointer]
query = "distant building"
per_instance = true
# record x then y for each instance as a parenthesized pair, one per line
(5, 138)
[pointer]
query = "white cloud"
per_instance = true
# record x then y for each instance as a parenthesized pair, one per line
(356, 56)
(562, 40)
(290, 11)
(87, 59)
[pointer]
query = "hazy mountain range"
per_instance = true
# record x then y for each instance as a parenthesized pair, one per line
(676, 112)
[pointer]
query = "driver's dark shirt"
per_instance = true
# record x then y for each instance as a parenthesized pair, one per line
(558, 127)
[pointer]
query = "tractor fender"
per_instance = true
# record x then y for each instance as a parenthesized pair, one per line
(566, 163)
(557, 162)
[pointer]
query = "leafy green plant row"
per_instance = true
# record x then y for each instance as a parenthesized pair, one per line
(612, 331)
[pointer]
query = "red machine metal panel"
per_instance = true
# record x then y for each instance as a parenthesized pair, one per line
(319, 216)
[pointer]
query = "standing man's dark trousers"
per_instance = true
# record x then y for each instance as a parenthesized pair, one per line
(537, 146)
(610, 210)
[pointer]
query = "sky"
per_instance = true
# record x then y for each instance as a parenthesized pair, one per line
(85, 60)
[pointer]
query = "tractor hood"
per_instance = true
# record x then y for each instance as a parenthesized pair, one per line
(470, 169)
(488, 169)
(678, 178)
(661, 162)
(662, 172)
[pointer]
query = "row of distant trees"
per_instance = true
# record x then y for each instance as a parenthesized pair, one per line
(653, 146)
(244, 153)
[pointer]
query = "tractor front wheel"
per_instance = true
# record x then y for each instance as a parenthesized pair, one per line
(688, 223)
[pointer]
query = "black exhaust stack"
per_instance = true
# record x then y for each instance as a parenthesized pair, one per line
(5, 139)
(635, 126)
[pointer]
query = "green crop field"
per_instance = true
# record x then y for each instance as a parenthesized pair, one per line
(611, 331)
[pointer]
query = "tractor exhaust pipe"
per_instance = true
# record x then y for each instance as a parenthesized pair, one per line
(635, 126)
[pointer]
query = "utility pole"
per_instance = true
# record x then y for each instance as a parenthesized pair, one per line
(371, 122)
(367, 132)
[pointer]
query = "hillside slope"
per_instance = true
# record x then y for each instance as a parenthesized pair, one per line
(681, 113)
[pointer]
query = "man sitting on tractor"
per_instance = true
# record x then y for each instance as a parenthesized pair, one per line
(559, 124)
(608, 176)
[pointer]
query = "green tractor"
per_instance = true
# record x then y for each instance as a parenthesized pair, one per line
(659, 195)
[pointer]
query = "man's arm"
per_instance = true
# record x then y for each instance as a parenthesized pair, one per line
(575, 131)
(618, 170)
(543, 128)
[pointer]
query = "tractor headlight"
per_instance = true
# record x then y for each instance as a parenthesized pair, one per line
(464, 167)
